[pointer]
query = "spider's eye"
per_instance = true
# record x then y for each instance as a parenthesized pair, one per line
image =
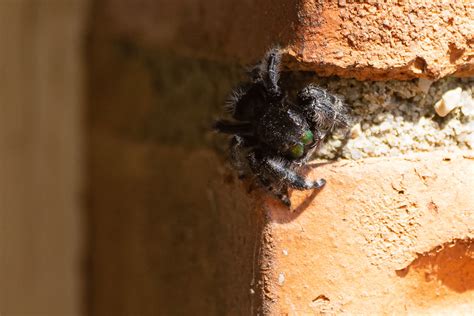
(297, 150)
(307, 137)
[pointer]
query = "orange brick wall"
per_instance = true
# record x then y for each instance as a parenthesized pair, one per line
(172, 231)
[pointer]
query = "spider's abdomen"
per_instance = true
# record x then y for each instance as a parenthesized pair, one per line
(249, 104)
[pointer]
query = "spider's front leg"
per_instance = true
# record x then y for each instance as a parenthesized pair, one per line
(268, 73)
(281, 170)
(273, 61)
(277, 176)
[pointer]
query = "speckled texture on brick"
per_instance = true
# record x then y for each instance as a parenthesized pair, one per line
(385, 236)
(357, 39)
(386, 39)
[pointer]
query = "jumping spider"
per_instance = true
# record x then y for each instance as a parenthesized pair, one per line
(273, 137)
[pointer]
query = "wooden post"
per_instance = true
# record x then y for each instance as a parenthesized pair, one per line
(40, 156)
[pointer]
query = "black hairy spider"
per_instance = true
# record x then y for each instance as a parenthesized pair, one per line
(274, 137)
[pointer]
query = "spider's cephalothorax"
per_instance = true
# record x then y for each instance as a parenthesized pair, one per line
(273, 136)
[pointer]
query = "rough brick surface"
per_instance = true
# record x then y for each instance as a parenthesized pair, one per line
(361, 39)
(385, 235)
(394, 40)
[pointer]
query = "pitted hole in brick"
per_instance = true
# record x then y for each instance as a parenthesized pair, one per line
(323, 305)
(450, 264)
(321, 297)
(420, 64)
(455, 53)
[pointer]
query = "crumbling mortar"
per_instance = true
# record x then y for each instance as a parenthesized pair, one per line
(396, 117)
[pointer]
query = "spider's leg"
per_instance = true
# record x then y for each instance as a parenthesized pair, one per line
(282, 177)
(270, 72)
(279, 190)
(247, 100)
(231, 127)
(279, 170)
(273, 71)
(323, 110)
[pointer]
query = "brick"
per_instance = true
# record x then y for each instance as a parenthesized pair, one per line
(358, 39)
(185, 236)
(385, 235)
